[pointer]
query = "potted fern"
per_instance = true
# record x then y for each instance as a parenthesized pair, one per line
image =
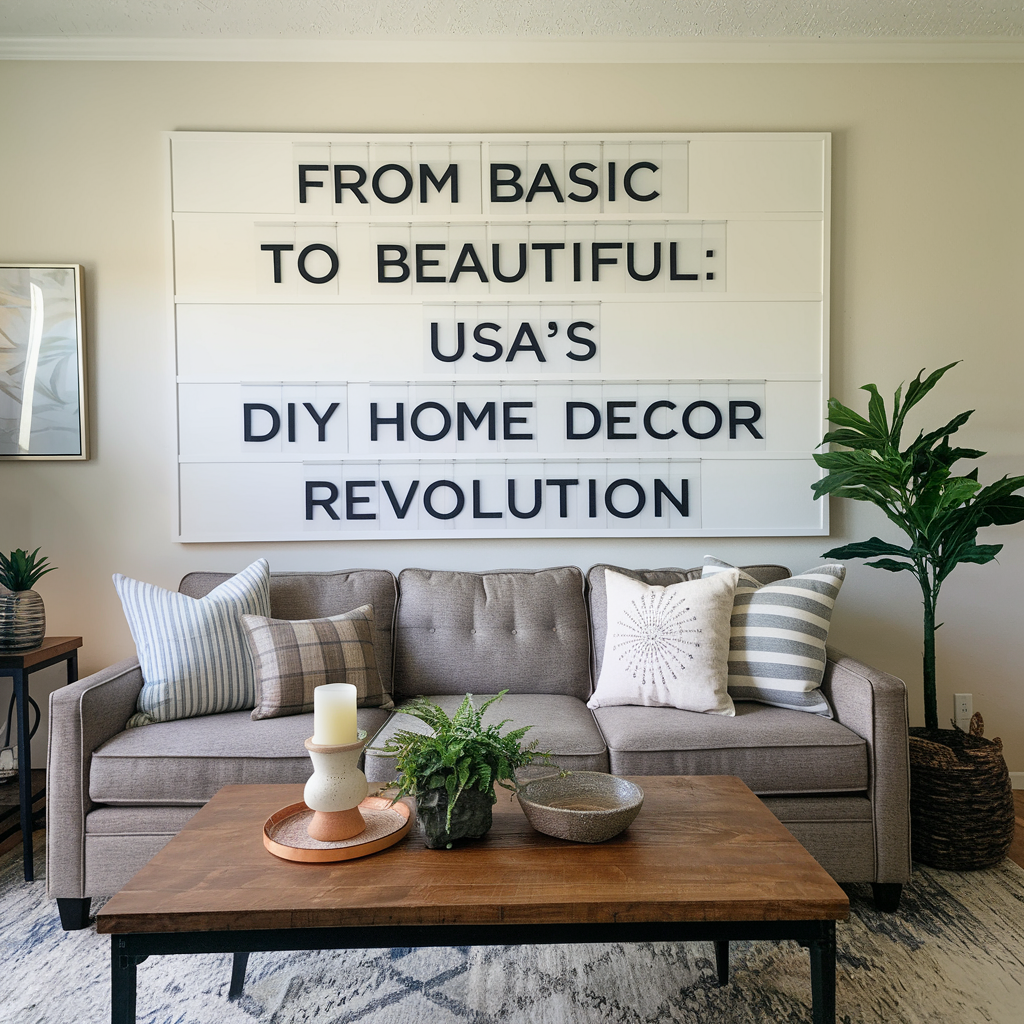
(452, 770)
(22, 615)
(961, 801)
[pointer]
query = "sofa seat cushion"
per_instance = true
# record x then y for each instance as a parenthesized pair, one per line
(773, 750)
(482, 632)
(187, 761)
(561, 724)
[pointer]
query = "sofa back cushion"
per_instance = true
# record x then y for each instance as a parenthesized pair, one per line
(468, 632)
(653, 577)
(318, 595)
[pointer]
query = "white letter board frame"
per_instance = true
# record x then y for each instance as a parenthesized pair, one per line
(752, 329)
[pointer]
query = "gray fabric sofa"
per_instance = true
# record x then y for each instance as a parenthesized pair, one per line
(115, 796)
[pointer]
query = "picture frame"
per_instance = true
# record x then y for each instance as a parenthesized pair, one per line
(42, 352)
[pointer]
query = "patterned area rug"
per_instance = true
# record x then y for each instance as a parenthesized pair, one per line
(954, 953)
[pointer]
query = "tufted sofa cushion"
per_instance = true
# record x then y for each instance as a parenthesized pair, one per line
(469, 632)
(318, 595)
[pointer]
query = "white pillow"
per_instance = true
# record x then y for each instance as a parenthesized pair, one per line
(192, 651)
(667, 647)
(779, 630)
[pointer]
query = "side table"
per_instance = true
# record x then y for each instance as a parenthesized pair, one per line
(20, 665)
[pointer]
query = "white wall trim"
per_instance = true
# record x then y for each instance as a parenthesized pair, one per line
(1017, 780)
(515, 51)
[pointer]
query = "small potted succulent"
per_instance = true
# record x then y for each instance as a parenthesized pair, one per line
(452, 770)
(22, 616)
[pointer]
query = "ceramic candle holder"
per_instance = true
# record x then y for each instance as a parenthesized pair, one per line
(335, 790)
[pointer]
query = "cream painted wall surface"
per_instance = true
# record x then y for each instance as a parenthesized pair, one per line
(927, 261)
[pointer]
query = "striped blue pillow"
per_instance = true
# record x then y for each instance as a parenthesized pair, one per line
(777, 646)
(193, 653)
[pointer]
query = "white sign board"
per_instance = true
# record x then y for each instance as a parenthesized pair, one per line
(499, 336)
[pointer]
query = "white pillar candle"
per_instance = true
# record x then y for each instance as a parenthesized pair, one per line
(334, 714)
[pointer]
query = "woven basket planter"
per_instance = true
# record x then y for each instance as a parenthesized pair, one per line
(961, 799)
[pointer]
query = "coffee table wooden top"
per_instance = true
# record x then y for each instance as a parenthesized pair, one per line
(703, 848)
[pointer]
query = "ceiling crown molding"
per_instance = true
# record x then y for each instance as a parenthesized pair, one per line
(478, 50)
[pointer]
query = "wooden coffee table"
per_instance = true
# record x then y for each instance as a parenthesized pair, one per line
(704, 860)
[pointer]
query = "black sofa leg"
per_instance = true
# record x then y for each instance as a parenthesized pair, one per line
(74, 914)
(887, 896)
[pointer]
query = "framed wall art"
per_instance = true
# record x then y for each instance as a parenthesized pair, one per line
(42, 362)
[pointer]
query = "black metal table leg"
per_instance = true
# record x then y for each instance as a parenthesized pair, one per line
(823, 976)
(122, 982)
(238, 964)
(722, 960)
(20, 680)
(73, 668)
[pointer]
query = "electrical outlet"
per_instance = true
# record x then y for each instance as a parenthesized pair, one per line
(963, 709)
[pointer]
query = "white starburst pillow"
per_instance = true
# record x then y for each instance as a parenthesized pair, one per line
(667, 647)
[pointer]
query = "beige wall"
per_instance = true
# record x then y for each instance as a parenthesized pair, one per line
(927, 267)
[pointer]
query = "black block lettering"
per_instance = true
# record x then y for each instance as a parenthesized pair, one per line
(422, 262)
(468, 263)
(462, 414)
(304, 183)
(276, 248)
(598, 259)
(321, 421)
(508, 419)
(401, 507)
(571, 433)
(446, 421)
(493, 342)
(682, 503)
(591, 348)
(627, 182)
(631, 263)
(512, 182)
(460, 499)
(563, 495)
(641, 498)
(427, 175)
(352, 499)
(531, 345)
(327, 504)
(693, 407)
(544, 174)
(496, 263)
(477, 513)
(398, 420)
(399, 261)
(613, 434)
(735, 420)
(378, 191)
(587, 183)
(512, 500)
(649, 420)
(353, 186)
(275, 421)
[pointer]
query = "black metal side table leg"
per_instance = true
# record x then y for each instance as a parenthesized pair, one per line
(20, 680)
(722, 960)
(823, 976)
(122, 982)
(239, 963)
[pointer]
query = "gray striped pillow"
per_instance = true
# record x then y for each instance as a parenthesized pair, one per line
(293, 656)
(779, 630)
(192, 652)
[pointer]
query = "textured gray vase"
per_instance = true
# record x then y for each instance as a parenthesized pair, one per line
(22, 620)
(471, 816)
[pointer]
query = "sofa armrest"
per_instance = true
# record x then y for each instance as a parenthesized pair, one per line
(873, 704)
(83, 716)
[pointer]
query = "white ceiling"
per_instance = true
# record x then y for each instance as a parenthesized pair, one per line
(564, 19)
(475, 30)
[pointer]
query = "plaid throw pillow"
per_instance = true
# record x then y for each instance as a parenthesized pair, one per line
(292, 657)
(777, 649)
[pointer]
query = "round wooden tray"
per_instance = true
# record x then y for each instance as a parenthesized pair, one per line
(285, 835)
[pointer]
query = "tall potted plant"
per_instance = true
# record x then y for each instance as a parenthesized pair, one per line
(452, 770)
(22, 615)
(961, 801)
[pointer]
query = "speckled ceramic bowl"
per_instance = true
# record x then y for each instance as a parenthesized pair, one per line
(586, 807)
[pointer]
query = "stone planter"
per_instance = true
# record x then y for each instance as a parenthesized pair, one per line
(961, 799)
(471, 817)
(22, 620)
